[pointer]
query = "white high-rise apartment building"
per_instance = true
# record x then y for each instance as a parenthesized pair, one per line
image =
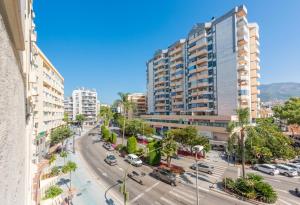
(85, 103)
(214, 71)
(48, 103)
(68, 105)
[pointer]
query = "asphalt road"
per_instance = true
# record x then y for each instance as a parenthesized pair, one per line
(153, 191)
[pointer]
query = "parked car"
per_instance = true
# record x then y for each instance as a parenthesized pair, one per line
(134, 160)
(286, 170)
(297, 192)
(138, 177)
(267, 168)
(111, 159)
(203, 167)
(108, 146)
(294, 166)
(164, 175)
(296, 160)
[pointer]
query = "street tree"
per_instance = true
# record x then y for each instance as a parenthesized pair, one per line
(80, 118)
(66, 118)
(106, 114)
(131, 145)
(169, 148)
(64, 155)
(69, 168)
(60, 134)
(126, 105)
(154, 152)
(289, 112)
(113, 138)
(52, 159)
(238, 130)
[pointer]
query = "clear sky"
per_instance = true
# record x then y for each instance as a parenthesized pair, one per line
(105, 44)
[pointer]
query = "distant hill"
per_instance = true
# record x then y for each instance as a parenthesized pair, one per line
(279, 91)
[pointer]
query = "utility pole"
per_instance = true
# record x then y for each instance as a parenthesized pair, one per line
(197, 192)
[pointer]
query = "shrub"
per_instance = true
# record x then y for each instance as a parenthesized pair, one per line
(113, 138)
(140, 152)
(131, 145)
(154, 154)
(265, 192)
(119, 147)
(55, 171)
(52, 192)
(251, 187)
(106, 134)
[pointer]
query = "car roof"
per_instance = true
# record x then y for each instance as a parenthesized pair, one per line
(269, 165)
(133, 156)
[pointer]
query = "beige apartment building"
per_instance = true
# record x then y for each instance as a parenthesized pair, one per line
(48, 102)
(140, 104)
(210, 74)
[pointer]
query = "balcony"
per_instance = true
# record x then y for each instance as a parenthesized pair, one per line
(201, 60)
(177, 96)
(243, 68)
(199, 69)
(198, 45)
(177, 77)
(242, 40)
(243, 60)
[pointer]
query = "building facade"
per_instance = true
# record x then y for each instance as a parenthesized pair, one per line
(212, 72)
(85, 103)
(140, 104)
(68, 105)
(48, 102)
(17, 33)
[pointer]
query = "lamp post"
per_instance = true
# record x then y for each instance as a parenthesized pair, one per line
(197, 148)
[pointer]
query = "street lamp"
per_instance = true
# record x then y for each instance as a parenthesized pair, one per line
(197, 148)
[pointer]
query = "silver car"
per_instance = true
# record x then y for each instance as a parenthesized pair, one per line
(294, 166)
(286, 170)
(267, 168)
(204, 167)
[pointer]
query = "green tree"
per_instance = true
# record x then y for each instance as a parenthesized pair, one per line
(113, 138)
(169, 148)
(80, 118)
(154, 152)
(52, 159)
(66, 118)
(126, 106)
(106, 114)
(60, 134)
(131, 145)
(69, 168)
(238, 131)
(106, 134)
(52, 192)
(64, 155)
(54, 171)
(289, 112)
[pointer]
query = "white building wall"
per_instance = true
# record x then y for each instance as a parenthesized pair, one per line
(227, 93)
(150, 88)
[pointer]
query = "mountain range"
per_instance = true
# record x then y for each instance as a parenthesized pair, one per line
(279, 91)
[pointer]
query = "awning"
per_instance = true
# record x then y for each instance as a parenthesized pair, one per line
(40, 135)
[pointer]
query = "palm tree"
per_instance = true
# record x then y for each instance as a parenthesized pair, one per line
(107, 114)
(64, 154)
(69, 167)
(238, 130)
(126, 106)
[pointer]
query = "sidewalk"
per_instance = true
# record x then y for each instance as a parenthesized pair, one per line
(87, 189)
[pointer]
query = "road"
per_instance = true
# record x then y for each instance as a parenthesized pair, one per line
(153, 191)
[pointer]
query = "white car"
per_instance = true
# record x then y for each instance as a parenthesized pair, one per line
(134, 160)
(286, 170)
(294, 166)
(267, 168)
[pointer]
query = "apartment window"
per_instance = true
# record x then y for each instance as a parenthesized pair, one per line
(209, 47)
(243, 92)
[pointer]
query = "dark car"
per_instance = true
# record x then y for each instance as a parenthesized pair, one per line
(111, 159)
(138, 177)
(297, 192)
(165, 176)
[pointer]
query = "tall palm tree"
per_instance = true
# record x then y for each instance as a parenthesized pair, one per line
(107, 114)
(126, 105)
(238, 130)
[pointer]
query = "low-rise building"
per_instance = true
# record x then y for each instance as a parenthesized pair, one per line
(140, 105)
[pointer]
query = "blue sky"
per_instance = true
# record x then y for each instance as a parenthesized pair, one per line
(105, 44)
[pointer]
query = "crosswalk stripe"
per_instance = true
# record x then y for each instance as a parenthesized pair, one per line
(284, 202)
(181, 197)
(166, 200)
(189, 195)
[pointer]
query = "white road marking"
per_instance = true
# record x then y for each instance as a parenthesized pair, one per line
(203, 189)
(275, 180)
(154, 185)
(120, 168)
(166, 200)
(189, 195)
(284, 191)
(289, 200)
(284, 202)
(182, 197)
(137, 197)
(104, 174)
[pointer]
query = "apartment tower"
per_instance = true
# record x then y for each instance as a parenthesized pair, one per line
(85, 103)
(140, 104)
(212, 72)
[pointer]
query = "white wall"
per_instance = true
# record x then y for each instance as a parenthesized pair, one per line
(150, 88)
(227, 92)
(13, 144)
